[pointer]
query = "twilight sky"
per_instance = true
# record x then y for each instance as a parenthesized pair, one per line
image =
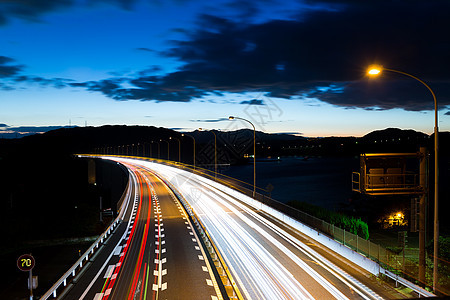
(295, 66)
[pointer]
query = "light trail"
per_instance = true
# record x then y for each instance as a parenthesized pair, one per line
(265, 260)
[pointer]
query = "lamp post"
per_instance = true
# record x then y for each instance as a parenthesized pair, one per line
(159, 149)
(215, 150)
(179, 147)
(375, 70)
(254, 151)
(168, 148)
(194, 144)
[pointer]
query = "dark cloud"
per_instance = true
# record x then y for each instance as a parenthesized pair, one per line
(145, 49)
(253, 102)
(321, 53)
(32, 10)
(447, 113)
(8, 70)
(3, 125)
(211, 120)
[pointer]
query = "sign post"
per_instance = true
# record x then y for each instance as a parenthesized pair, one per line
(26, 263)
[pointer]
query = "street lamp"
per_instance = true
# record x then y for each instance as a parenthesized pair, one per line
(254, 151)
(179, 147)
(159, 148)
(194, 144)
(215, 150)
(375, 70)
(168, 147)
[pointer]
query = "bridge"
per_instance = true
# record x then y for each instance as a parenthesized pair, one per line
(180, 235)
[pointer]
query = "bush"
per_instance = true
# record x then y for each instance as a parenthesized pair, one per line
(350, 224)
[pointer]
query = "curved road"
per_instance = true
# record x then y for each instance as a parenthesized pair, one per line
(154, 254)
(267, 259)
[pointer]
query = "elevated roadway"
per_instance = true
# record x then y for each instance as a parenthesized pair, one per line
(267, 258)
(153, 254)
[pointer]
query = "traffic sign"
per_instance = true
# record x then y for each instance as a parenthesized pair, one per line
(25, 262)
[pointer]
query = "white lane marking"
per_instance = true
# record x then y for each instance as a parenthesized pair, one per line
(191, 233)
(200, 257)
(205, 269)
(214, 297)
(194, 240)
(117, 250)
(209, 282)
(98, 296)
(164, 286)
(107, 292)
(109, 271)
(163, 250)
(197, 248)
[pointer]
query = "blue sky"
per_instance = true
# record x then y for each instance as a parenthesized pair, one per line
(289, 66)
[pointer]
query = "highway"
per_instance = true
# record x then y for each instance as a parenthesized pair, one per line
(154, 253)
(267, 259)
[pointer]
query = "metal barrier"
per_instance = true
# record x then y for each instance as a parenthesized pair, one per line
(78, 266)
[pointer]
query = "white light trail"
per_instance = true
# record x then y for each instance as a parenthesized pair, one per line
(247, 241)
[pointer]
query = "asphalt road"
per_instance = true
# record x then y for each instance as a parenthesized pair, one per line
(154, 253)
(268, 259)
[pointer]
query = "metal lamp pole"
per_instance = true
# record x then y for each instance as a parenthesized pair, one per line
(376, 70)
(168, 148)
(179, 147)
(194, 144)
(215, 150)
(254, 151)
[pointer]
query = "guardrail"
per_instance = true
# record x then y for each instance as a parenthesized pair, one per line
(78, 266)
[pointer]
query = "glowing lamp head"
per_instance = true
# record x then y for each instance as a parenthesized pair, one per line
(374, 70)
(230, 118)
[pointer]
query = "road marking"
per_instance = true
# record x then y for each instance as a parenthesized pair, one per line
(200, 257)
(109, 271)
(164, 286)
(209, 282)
(163, 250)
(194, 240)
(107, 292)
(205, 269)
(98, 296)
(191, 233)
(117, 250)
(197, 248)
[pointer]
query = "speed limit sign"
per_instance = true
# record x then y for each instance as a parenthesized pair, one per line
(25, 262)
